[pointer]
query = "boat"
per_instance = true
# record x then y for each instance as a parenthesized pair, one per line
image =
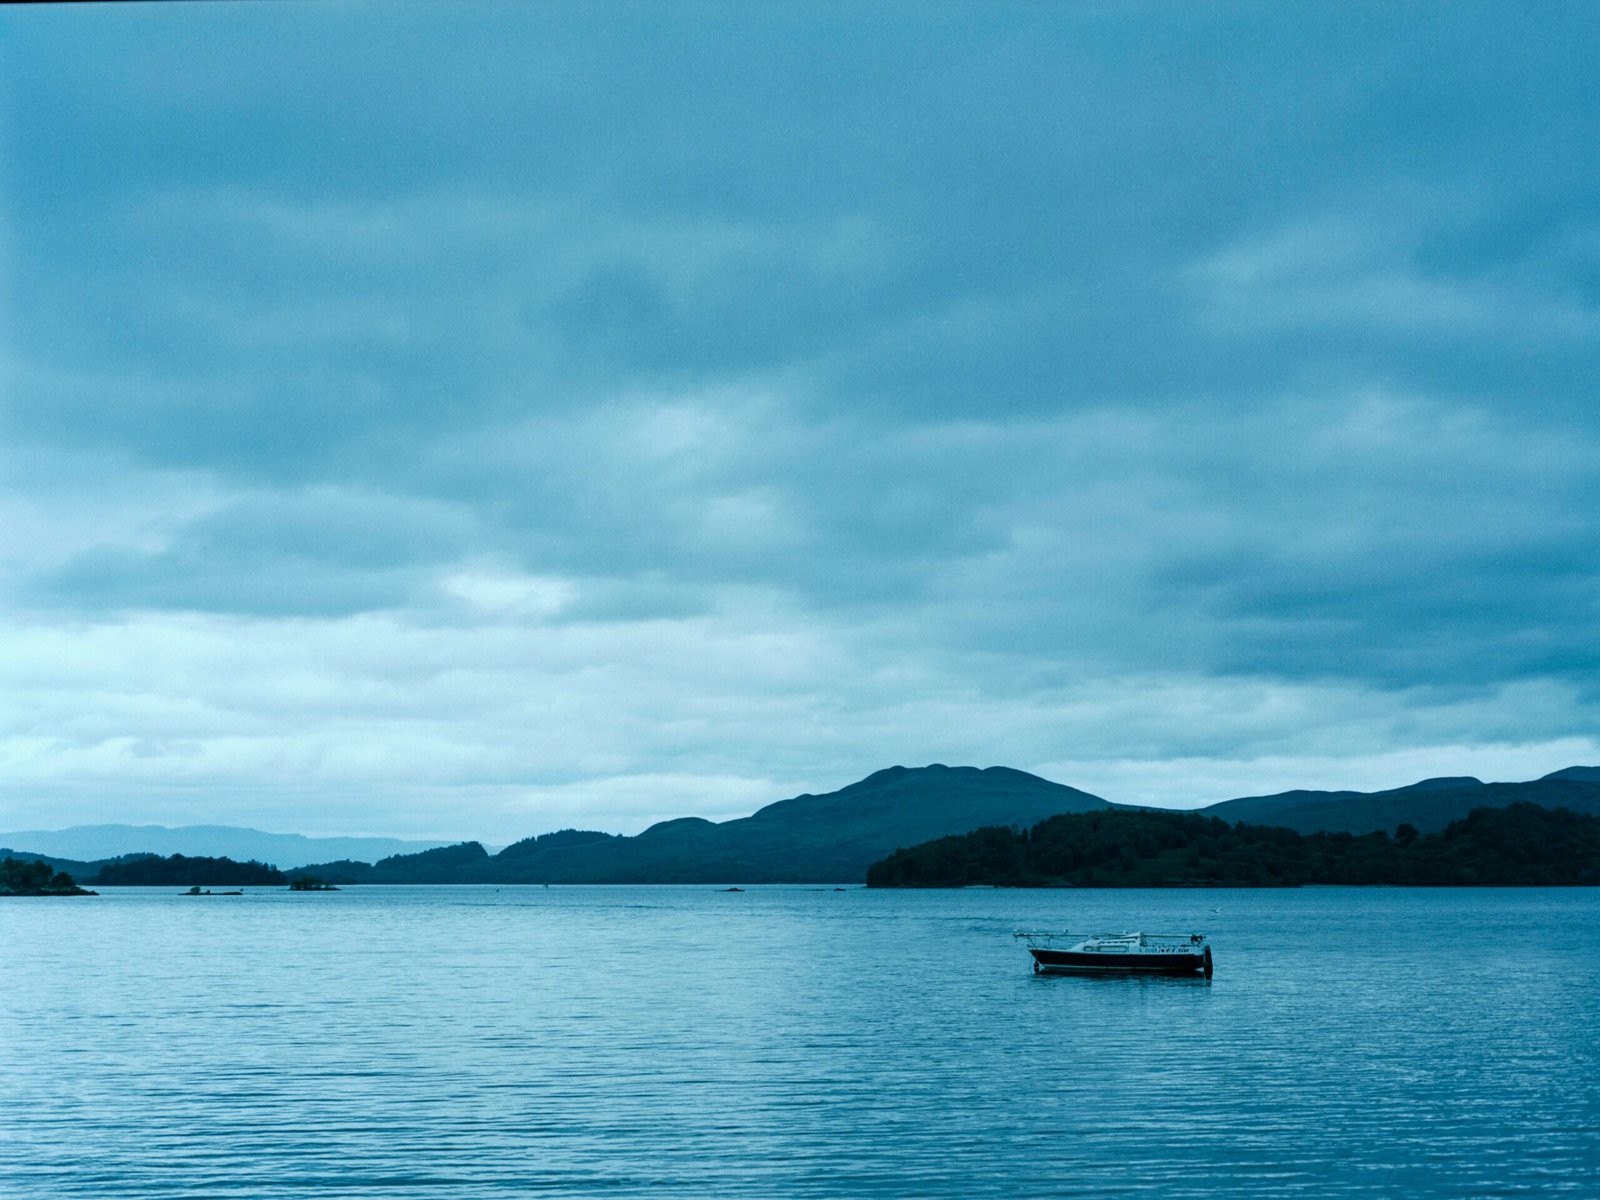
(1097, 953)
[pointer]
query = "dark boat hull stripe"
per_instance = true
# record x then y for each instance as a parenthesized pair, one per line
(1165, 964)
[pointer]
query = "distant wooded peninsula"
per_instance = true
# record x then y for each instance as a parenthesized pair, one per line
(187, 871)
(951, 826)
(1523, 845)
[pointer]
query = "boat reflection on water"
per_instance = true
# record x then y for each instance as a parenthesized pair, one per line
(1119, 953)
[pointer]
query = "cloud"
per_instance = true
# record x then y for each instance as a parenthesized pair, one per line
(1341, 275)
(307, 553)
(570, 409)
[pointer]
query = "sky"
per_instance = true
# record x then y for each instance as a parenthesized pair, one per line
(474, 420)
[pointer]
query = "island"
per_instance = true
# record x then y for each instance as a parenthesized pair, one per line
(310, 883)
(36, 879)
(188, 871)
(1518, 846)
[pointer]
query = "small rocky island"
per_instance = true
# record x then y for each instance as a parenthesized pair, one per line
(36, 879)
(310, 883)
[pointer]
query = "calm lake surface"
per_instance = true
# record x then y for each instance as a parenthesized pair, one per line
(786, 1041)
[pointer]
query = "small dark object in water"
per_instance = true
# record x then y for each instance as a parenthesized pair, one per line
(733, 889)
(195, 891)
(310, 883)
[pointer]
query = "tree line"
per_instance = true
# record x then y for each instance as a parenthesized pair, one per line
(1520, 845)
(182, 870)
(24, 878)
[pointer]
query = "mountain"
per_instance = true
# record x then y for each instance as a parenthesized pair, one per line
(807, 839)
(833, 837)
(1583, 774)
(465, 862)
(1429, 805)
(94, 842)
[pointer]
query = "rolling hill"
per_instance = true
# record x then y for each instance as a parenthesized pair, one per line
(89, 843)
(1429, 805)
(833, 837)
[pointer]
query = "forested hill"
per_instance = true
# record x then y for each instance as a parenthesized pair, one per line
(828, 838)
(836, 836)
(187, 871)
(1521, 845)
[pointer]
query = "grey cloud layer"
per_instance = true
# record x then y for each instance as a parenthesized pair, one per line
(1392, 540)
(1000, 361)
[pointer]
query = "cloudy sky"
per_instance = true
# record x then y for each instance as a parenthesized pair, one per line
(471, 420)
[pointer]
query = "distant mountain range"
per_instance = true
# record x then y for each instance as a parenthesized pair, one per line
(832, 837)
(93, 842)
(809, 839)
(1428, 806)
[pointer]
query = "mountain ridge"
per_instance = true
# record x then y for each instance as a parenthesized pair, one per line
(830, 837)
(1429, 805)
(834, 836)
(87, 843)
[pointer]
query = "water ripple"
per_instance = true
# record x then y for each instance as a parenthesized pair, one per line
(395, 1042)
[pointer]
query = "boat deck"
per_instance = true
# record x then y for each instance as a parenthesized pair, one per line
(1152, 953)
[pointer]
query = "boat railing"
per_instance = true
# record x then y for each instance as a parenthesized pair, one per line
(1145, 939)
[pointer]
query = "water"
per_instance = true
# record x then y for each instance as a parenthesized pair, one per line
(482, 1042)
